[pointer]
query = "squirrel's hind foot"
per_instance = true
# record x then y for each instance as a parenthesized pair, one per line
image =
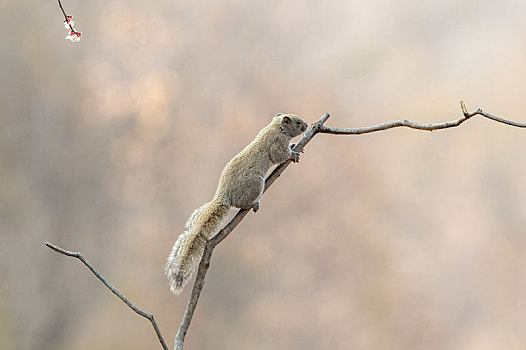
(294, 156)
(255, 206)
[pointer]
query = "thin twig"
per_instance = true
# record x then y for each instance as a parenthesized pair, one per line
(420, 126)
(66, 16)
(111, 287)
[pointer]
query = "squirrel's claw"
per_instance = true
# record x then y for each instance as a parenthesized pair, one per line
(295, 156)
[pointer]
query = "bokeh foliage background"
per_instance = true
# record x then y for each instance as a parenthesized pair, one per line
(394, 240)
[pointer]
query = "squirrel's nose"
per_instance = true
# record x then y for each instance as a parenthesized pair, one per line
(304, 127)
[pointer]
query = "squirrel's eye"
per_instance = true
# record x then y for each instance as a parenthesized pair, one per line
(298, 122)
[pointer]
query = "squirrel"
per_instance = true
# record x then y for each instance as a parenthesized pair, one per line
(241, 185)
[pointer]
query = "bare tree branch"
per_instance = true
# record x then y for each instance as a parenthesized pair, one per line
(420, 126)
(112, 288)
(314, 129)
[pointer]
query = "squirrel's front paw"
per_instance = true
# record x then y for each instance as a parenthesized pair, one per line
(294, 156)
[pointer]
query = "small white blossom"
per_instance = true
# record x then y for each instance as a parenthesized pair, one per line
(69, 21)
(66, 24)
(74, 37)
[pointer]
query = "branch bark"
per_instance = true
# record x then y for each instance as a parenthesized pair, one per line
(112, 288)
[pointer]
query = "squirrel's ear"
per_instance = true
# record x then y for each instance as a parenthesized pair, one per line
(286, 120)
(277, 115)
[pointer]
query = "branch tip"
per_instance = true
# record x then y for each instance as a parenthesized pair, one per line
(463, 107)
(323, 119)
(62, 250)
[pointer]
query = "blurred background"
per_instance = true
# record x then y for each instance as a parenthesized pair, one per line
(401, 239)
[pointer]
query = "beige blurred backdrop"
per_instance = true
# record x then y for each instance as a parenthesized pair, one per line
(401, 239)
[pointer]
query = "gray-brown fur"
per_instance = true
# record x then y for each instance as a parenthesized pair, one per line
(241, 185)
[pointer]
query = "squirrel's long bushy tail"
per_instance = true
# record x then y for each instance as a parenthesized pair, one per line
(188, 249)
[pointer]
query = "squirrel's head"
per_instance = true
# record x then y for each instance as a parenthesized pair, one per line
(290, 124)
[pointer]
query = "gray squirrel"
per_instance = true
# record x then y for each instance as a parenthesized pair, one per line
(241, 185)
